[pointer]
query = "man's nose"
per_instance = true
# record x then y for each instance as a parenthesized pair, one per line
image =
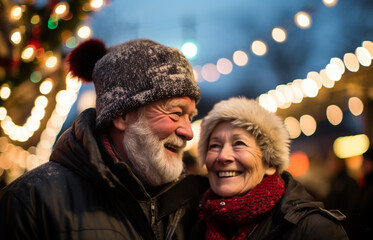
(184, 130)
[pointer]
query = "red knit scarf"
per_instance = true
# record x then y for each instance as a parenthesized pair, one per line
(242, 213)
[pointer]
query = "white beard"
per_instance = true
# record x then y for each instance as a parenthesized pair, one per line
(147, 156)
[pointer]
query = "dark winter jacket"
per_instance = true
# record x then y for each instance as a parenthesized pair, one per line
(298, 216)
(82, 194)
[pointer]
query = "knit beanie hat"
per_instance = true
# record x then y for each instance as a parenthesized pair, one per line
(267, 128)
(132, 74)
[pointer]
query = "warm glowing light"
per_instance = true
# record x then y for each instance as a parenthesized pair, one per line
(16, 37)
(28, 53)
(309, 88)
(334, 114)
(197, 73)
(210, 73)
(307, 124)
(259, 48)
(5, 91)
(189, 49)
(315, 76)
(287, 92)
(298, 164)
(97, 4)
(61, 9)
(224, 66)
(278, 34)
(37, 113)
(349, 146)
(84, 32)
(35, 19)
(333, 72)
(368, 45)
(303, 20)
(356, 106)
(51, 62)
(196, 128)
(339, 63)
(15, 13)
(351, 62)
(240, 58)
(46, 86)
(297, 93)
(325, 80)
(330, 3)
(3, 113)
(41, 101)
(278, 97)
(267, 102)
(364, 57)
(293, 127)
(86, 100)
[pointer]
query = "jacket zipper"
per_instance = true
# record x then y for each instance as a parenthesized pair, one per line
(152, 210)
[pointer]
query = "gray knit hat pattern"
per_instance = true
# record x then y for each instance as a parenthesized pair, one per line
(136, 73)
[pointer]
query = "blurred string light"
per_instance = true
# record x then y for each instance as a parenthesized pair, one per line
(298, 163)
(259, 48)
(334, 114)
(303, 20)
(189, 49)
(349, 146)
(14, 160)
(330, 3)
(293, 127)
(279, 34)
(310, 86)
(308, 124)
(356, 106)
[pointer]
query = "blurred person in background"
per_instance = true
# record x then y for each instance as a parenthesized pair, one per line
(343, 191)
(246, 150)
(363, 218)
(117, 173)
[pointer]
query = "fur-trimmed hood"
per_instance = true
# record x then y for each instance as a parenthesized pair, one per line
(267, 128)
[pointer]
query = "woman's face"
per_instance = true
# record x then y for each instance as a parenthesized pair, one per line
(234, 161)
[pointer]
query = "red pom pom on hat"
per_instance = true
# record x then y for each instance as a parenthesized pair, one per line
(83, 58)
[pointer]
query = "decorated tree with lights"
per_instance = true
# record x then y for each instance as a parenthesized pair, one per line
(36, 92)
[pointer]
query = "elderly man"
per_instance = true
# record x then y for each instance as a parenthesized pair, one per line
(117, 173)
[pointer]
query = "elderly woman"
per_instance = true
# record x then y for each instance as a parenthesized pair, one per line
(246, 150)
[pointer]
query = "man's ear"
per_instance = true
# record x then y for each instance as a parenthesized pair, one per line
(120, 123)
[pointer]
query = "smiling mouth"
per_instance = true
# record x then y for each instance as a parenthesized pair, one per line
(172, 148)
(227, 174)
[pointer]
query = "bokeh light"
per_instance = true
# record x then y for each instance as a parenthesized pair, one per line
(334, 114)
(355, 105)
(298, 163)
(224, 66)
(293, 127)
(307, 124)
(303, 20)
(279, 34)
(259, 48)
(189, 49)
(349, 146)
(240, 58)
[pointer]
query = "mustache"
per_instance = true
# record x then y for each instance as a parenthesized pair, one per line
(175, 141)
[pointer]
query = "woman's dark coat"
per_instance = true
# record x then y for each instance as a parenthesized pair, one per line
(82, 194)
(296, 217)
